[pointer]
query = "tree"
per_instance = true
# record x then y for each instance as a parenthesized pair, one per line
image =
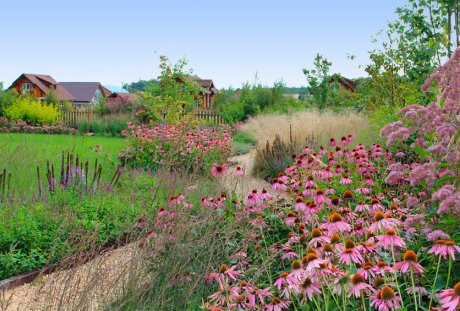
(173, 96)
(139, 86)
(321, 85)
(414, 44)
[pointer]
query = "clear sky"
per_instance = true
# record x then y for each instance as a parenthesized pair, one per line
(115, 41)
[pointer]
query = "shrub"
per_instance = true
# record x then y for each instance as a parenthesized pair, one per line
(32, 111)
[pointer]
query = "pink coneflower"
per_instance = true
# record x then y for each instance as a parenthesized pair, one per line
(381, 268)
(252, 198)
(410, 260)
(278, 185)
(450, 298)
(238, 171)
(308, 288)
(311, 261)
(361, 207)
(345, 180)
(383, 223)
(218, 170)
(224, 272)
(362, 190)
(369, 182)
(358, 285)
(297, 271)
(176, 200)
(367, 271)
(317, 238)
(289, 254)
(344, 141)
(390, 240)
(336, 224)
(444, 249)
(299, 204)
(332, 142)
(320, 198)
(385, 299)
(277, 305)
(265, 195)
(284, 279)
(350, 253)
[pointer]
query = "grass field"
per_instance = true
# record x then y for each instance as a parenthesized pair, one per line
(21, 153)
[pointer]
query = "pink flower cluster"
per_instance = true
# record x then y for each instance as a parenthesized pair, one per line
(345, 235)
(177, 146)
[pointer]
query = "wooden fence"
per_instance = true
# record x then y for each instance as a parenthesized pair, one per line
(88, 114)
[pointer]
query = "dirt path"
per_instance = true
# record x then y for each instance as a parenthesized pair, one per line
(243, 184)
(100, 281)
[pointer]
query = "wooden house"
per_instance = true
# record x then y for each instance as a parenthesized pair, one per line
(39, 86)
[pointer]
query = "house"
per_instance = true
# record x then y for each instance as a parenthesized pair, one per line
(39, 86)
(86, 93)
(207, 93)
(346, 83)
(78, 93)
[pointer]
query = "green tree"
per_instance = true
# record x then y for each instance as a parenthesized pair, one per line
(414, 44)
(173, 96)
(322, 86)
(139, 86)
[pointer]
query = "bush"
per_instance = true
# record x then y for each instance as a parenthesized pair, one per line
(32, 111)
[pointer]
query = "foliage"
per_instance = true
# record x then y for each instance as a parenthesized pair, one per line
(321, 84)
(51, 98)
(139, 86)
(249, 100)
(109, 125)
(172, 97)
(32, 111)
(7, 97)
(181, 148)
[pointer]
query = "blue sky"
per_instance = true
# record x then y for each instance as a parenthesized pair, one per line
(228, 41)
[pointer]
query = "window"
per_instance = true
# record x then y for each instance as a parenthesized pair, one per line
(197, 102)
(25, 88)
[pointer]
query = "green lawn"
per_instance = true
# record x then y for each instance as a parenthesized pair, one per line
(21, 153)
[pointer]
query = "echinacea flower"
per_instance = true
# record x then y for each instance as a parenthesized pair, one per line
(277, 305)
(390, 240)
(311, 261)
(284, 279)
(238, 171)
(350, 253)
(308, 287)
(336, 224)
(444, 249)
(218, 170)
(383, 223)
(385, 299)
(450, 298)
(358, 285)
(410, 262)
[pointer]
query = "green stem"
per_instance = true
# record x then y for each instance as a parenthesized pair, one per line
(362, 300)
(413, 286)
(448, 272)
(396, 275)
(434, 284)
